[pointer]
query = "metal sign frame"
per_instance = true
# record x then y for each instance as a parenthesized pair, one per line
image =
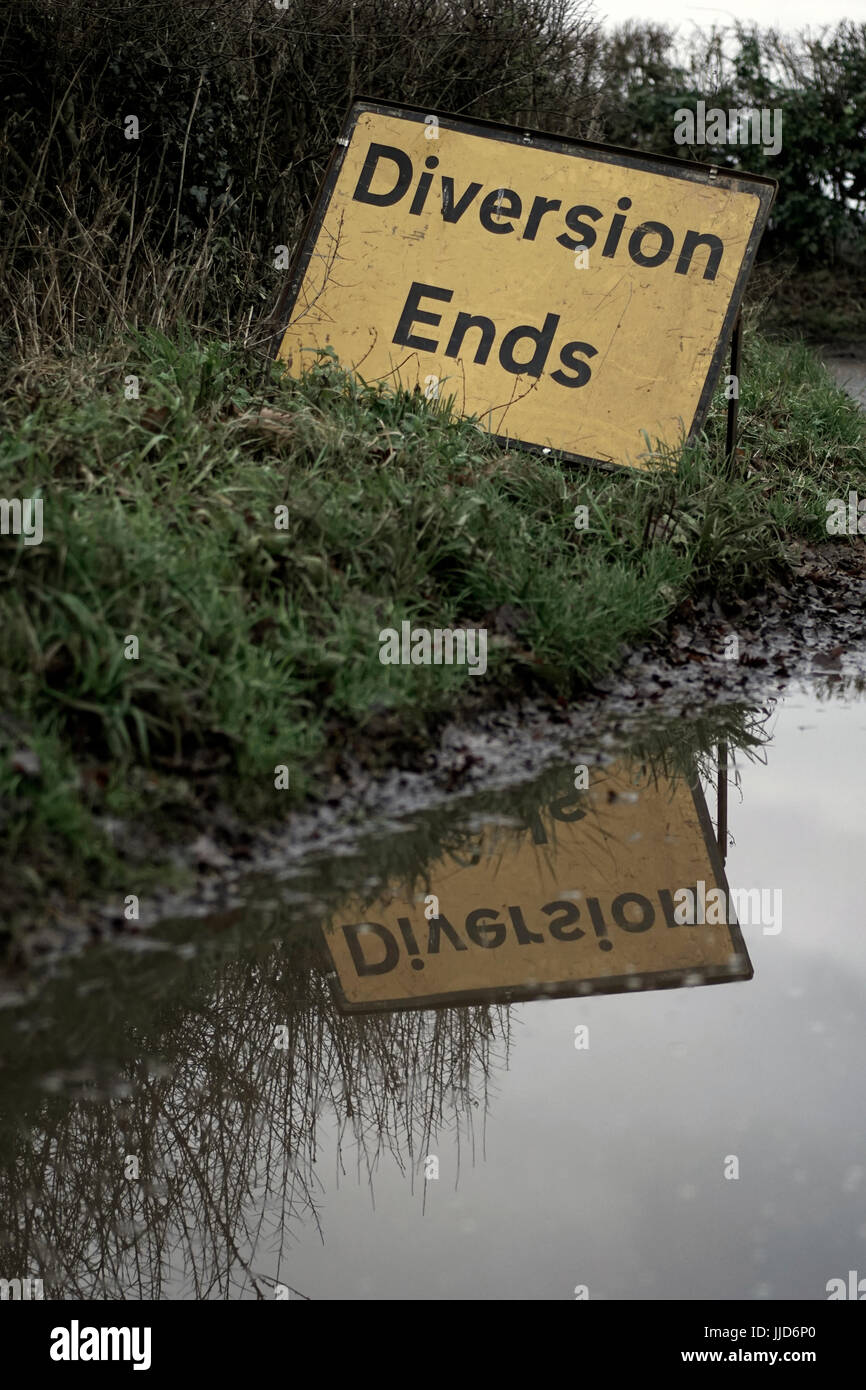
(688, 170)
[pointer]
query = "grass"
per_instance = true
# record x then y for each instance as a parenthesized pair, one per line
(258, 646)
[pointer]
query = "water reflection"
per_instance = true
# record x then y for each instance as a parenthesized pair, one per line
(165, 1116)
(148, 1180)
(584, 897)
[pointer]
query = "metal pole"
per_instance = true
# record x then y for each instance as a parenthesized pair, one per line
(722, 801)
(734, 399)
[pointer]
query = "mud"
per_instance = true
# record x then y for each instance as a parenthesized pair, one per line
(812, 627)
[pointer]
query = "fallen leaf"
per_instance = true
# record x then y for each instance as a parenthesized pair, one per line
(154, 417)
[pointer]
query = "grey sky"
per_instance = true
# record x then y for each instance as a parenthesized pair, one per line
(782, 14)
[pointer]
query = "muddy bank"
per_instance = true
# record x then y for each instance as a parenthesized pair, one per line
(812, 627)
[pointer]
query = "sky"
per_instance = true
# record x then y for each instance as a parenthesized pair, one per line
(780, 14)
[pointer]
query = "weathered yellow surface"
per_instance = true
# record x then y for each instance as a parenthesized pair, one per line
(653, 330)
(633, 836)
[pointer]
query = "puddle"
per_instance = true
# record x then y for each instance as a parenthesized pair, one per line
(520, 1047)
(849, 373)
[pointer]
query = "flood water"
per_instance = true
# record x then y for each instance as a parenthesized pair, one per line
(482, 1059)
(849, 373)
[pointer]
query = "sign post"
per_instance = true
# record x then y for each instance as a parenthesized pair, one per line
(575, 297)
(733, 399)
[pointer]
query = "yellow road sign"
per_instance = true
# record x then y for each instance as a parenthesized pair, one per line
(576, 297)
(585, 900)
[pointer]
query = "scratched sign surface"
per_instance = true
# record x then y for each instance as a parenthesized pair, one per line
(575, 297)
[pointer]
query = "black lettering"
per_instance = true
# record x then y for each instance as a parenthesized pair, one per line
(362, 192)
(559, 808)
(665, 897)
(421, 192)
(521, 931)
(461, 327)
(648, 912)
(451, 211)
(441, 924)
(412, 314)
(542, 337)
(582, 371)
(570, 914)
(690, 242)
(367, 929)
(652, 229)
(493, 207)
(534, 823)
(574, 221)
(489, 936)
(616, 225)
(408, 936)
(537, 211)
(599, 924)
